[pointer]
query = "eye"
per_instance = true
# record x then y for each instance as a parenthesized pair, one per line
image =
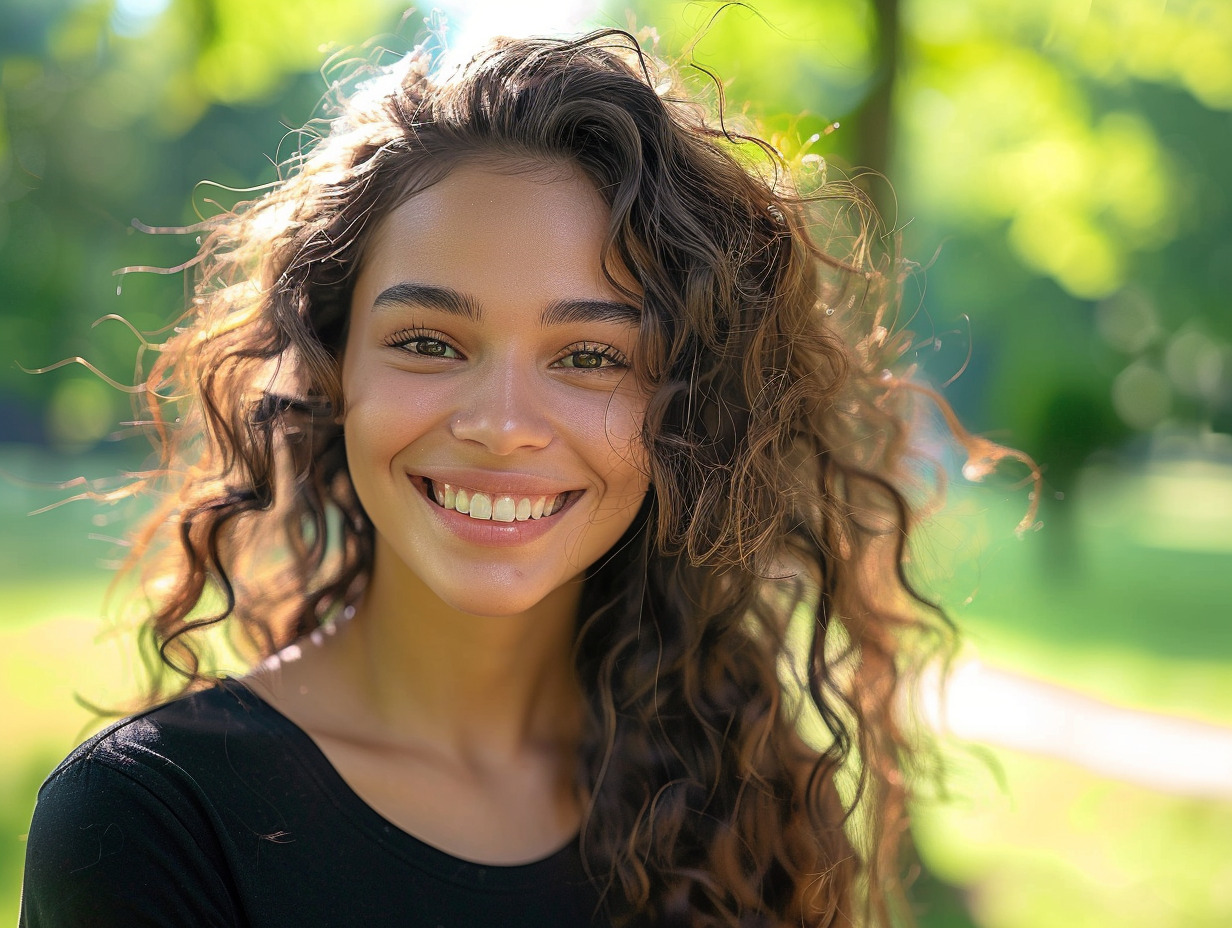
(591, 357)
(430, 347)
(423, 343)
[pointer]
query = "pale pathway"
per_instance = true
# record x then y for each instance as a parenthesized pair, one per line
(1167, 753)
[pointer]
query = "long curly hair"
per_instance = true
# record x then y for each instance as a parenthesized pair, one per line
(742, 650)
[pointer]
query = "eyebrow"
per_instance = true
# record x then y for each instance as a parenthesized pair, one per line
(442, 298)
(558, 312)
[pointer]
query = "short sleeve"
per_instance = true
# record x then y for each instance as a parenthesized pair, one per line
(106, 850)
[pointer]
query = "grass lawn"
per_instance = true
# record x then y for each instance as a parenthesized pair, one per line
(1133, 607)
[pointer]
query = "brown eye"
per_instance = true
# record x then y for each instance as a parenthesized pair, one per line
(430, 347)
(592, 358)
(586, 359)
(423, 343)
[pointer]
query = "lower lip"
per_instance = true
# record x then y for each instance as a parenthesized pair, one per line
(488, 533)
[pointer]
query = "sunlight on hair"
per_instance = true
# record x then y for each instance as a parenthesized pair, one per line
(1167, 753)
(469, 24)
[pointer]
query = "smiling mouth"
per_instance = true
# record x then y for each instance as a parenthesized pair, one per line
(484, 507)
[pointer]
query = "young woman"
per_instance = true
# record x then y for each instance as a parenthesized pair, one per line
(544, 466)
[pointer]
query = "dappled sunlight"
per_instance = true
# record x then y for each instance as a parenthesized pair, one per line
(1040, 843)
(467, 26)
(997, 131)
(1183, 505)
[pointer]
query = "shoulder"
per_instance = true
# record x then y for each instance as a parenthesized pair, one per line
(134, 805)
(175, 751)
(176, 731)
(195, 758)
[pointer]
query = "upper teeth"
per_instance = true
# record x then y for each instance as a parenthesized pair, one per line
(485, 506)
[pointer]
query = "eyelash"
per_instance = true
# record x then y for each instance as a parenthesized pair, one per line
(407, 339)
(606, 352)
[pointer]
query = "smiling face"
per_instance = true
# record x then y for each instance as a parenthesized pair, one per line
(492, 425)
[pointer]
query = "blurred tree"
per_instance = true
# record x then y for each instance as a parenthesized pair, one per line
(1067, 165)
(116, 110)
(1069, 162)
(1072, 159)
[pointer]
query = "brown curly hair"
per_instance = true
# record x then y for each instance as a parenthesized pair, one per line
(743, 647)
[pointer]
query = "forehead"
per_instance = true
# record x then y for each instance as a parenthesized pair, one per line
(534, 226)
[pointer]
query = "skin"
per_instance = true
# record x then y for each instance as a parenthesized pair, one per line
(449, 701)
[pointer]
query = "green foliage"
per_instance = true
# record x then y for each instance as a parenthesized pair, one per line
(1058, 155)
(822, 53)
(107, 116)
(1067, 160)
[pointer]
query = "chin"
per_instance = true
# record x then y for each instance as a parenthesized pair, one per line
(508, 593)
(494, 606)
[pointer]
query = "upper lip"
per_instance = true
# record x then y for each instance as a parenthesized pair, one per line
(497, 483)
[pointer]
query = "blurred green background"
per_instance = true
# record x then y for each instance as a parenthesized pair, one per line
(1063, 169)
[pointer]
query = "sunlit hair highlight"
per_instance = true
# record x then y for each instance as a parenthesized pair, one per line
(743, 649)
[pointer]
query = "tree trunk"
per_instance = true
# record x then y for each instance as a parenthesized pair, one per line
(874, 120)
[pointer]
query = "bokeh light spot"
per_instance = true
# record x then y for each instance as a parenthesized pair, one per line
(81, 412)
(131, 18)
(1204, 61)
(1127, 321)
(472, 23)
(1141, 395)
(1194, 362)
(1069, 247)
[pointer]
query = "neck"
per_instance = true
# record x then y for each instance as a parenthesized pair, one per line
(412, 669)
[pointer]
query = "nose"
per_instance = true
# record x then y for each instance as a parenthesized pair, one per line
(504, 408)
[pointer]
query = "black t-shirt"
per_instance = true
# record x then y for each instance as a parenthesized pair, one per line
(215, 810)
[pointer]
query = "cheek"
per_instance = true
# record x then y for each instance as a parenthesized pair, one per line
(385, 416)
(623, 438)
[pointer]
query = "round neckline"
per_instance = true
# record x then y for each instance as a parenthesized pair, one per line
(350, 803)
